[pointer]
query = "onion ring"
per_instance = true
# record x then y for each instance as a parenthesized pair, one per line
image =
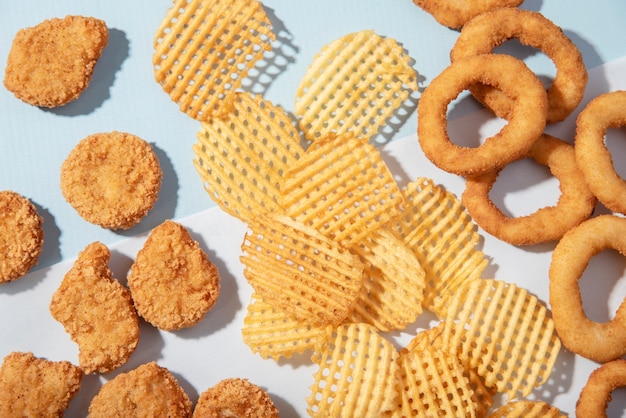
(526, 123)
(595, 396)
(597, 341)
(605, 111)
(454, 14)
(549, 223)
(486, 31)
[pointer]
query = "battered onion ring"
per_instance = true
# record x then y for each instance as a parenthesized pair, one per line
(454, 13)
(597, 341)
(605, 111)
(595, 396)
(525, 124)
(549, 223)
(486, 31)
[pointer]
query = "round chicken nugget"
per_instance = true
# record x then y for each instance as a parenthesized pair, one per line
(235, 398)
(172, 281)
(111, 179)
(147, 391)
(52, 63)
(35, 387)
(21, 236)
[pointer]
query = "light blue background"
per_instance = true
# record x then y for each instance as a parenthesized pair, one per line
(123, 95)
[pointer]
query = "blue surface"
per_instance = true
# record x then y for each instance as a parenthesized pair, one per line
(123, 95)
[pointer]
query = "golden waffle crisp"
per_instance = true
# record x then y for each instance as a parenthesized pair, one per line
(273, 333)
(354, 84)
(527, 409)
(393, 283)
(203, 50)
(299, 270)
(342, 187)
(242, 158)
(504, 334)
(435, 225)
(356, 375)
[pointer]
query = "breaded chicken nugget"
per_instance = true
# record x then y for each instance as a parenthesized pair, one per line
(52, 63)
(35, 387)
(97, 312)
(21, 236)
(172, 281)
(111, 179)
(147, 391)
(235, 398)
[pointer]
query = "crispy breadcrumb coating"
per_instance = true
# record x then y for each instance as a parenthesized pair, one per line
(235, 398)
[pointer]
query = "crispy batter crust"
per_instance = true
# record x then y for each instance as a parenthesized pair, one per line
(595, 396)
(111, 179)
(97, 312)
(34, 387)
(455, 13)
(235, 398)
(147, 391)
(52, 63)
(21, 236)
(172, 281)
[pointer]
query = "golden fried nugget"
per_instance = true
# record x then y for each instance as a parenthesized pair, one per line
(172, 281)
(145, 392)
(111, 179)
(52, 63)
(97, 312)
(235, 397)
(21, 236)
(35, 387)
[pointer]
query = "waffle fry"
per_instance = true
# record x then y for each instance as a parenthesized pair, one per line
(354, 84)
(356, 374)
(242, 158)
(504, 333)
(203, 50)
(300, 270)
(341, 187)
(527, 409)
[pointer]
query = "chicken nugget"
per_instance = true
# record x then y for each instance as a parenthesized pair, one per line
(52, 63)
(35, 387)
(172, 281)
(235, 398)
(97, 312)
(21, 236)
(147, 391)
(112, 179)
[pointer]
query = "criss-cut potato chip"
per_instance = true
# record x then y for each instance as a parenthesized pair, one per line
(504, 333)
(356, 375)
(271, 332)
(435, 225)
(527, 409)
(203, 50)
(297, 269)
(342, 187)
(432, 384)
(354, 84)
(243, 157)
(393, 283)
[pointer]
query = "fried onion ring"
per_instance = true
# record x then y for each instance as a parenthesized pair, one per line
(454, 14)
(603, 112)
(549, 223)
(596, 395)
(489, 30)
(524, 126)
(598, 341)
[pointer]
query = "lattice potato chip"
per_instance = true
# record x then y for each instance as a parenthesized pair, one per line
(354, 84)
(342, 187)
(435, 225)
(527, 409)
(243, 157)
(356, 375)
(203, 49)
(296, 268)
(272, 333)
(504, 333)
(393, 283)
